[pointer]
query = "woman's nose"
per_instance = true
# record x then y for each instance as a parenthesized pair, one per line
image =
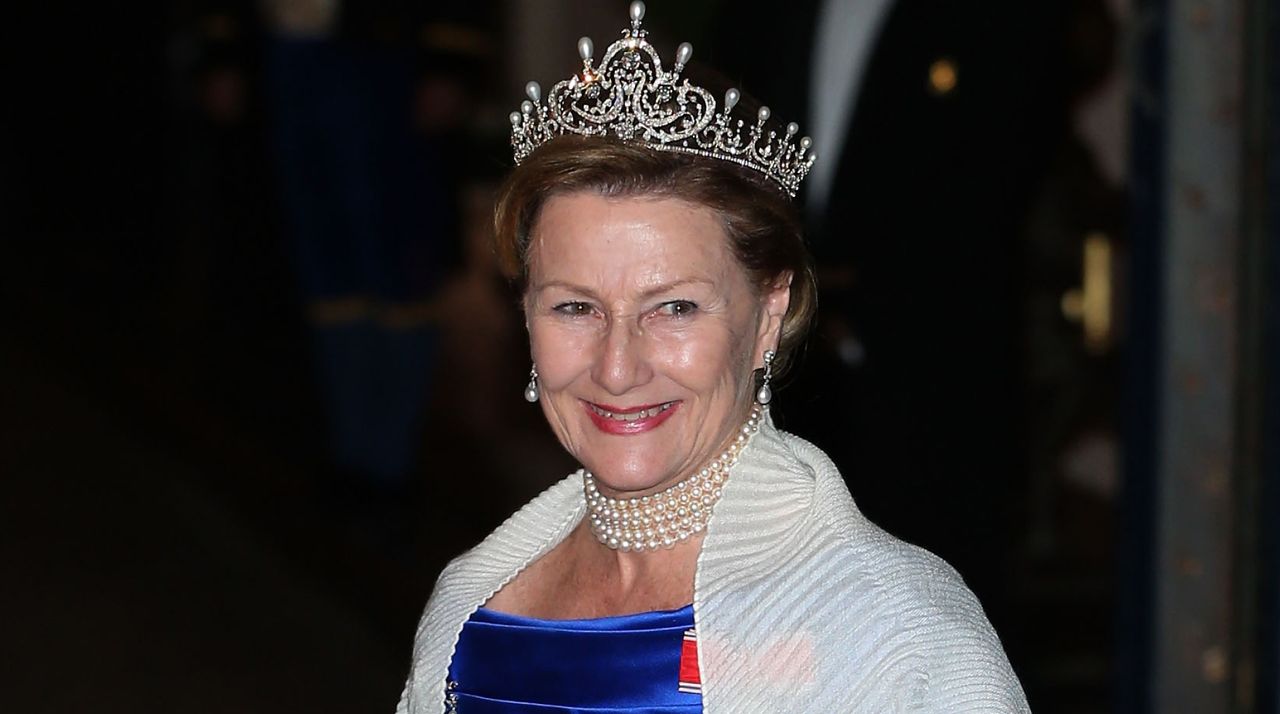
(622, 363)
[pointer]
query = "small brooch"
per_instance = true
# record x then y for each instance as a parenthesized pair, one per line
(450, 697)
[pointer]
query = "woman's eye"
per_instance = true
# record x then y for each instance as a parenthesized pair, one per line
(573, 309)
(678, 308)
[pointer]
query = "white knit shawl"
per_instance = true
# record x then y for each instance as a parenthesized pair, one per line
(801, 604)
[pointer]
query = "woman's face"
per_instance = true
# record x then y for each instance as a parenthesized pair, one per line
(645, 331)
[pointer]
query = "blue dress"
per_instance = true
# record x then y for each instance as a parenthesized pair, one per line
(644, 663)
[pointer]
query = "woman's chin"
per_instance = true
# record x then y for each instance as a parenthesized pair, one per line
(629, 479)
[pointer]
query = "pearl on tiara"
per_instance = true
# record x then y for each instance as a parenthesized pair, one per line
(669, 517)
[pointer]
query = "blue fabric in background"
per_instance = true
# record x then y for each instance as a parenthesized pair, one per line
(368, 208)
(509, 663)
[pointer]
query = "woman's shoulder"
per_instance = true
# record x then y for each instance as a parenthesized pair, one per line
(890, 573)
(922, 617)
(903, 591)
(471, 578)
(909, 602)
(524, 536)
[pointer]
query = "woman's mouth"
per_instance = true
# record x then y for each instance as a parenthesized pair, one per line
(629, 420)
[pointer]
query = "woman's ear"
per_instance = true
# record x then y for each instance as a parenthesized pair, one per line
(774, 301)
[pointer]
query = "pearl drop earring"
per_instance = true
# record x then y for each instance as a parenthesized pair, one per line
(531, 391)
(764, 395)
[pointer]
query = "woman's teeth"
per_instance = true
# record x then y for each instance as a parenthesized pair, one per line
(632, 416)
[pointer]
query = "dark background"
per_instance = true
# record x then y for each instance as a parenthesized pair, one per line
(223, 245)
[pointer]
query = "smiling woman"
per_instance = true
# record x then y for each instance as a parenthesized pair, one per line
(659, 343)
(702, 560)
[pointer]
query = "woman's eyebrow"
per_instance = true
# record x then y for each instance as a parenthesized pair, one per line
(667, 287)
(644, 294)
(573, 287)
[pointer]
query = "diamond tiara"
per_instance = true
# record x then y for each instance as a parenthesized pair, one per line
(631, 97)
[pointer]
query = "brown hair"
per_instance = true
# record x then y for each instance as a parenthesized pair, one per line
(761, 222)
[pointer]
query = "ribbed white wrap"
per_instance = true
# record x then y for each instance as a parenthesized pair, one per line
(801, 603)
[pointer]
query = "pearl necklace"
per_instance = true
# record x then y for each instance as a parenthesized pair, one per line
(663, 519)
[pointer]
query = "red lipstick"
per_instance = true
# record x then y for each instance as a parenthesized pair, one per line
(624, 421)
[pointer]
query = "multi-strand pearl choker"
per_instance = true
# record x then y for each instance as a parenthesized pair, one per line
(663, 519)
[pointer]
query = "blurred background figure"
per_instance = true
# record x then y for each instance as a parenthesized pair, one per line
(253, 315)
(368, 208)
